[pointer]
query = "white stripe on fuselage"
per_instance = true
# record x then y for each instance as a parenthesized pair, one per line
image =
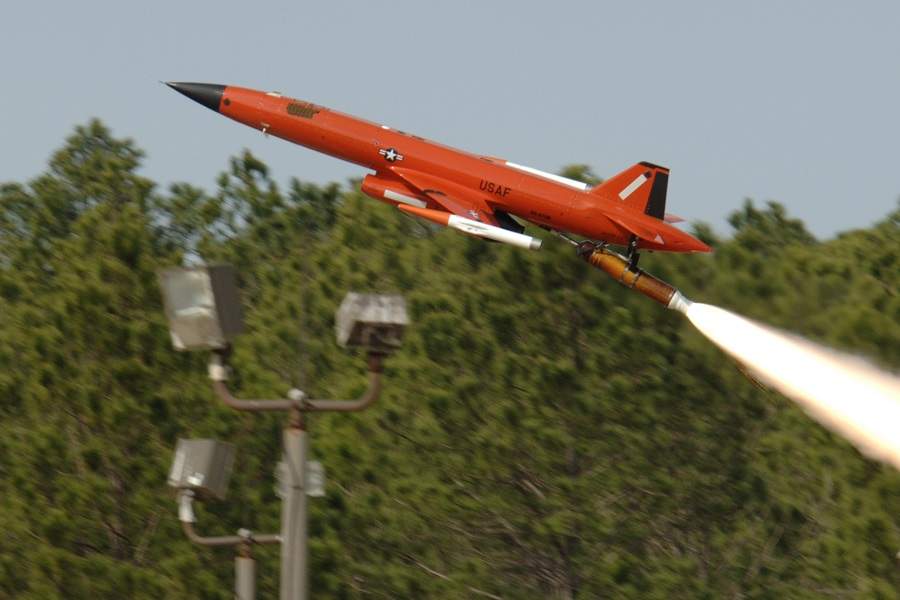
(638, 182)
(578, 185)
(392, 195)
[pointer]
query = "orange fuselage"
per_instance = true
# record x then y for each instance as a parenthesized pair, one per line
(532, 197)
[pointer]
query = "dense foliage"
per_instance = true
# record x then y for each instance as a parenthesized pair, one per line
(543, 433)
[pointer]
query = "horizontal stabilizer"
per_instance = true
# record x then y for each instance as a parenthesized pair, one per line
(636, 227)
(655, 234)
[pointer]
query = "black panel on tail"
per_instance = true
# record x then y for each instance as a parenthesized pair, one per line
(656, 205)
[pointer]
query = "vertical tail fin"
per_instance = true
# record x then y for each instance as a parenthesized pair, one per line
(641, 187)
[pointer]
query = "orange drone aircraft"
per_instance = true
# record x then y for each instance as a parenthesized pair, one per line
(478, 195)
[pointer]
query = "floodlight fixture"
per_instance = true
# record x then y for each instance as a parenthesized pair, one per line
(372, 321)
(203, 467)
(203, 309)
(202, 305)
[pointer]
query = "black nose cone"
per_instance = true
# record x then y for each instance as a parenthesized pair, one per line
(207, 94)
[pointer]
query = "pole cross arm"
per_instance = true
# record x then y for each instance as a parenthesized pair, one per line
(186, 516)
(228, 540)
(250, 405)
(218, 374)
(367, 399)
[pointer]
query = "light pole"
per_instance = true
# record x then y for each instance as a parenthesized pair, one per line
(201, 469)
(204, 313)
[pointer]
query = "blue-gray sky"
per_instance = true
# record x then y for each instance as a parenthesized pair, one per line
(792, 101)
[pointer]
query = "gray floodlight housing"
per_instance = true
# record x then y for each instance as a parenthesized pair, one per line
(202, 305)
(202, 466)
(372, 321)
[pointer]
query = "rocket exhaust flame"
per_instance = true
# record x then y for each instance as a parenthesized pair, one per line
(843, 392)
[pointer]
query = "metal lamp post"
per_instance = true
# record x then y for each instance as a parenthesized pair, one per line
(201, 469)
(204, 313)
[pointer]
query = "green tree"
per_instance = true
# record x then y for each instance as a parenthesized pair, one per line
(544, 433)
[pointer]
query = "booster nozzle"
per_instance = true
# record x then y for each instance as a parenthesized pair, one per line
(679, 302)
(618, 267)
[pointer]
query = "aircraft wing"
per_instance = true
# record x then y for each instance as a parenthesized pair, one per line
(452, 197)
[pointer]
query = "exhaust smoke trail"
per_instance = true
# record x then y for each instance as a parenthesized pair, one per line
(846, 394)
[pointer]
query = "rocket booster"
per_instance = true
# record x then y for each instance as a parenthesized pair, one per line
(618, 268)
(472, 227)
